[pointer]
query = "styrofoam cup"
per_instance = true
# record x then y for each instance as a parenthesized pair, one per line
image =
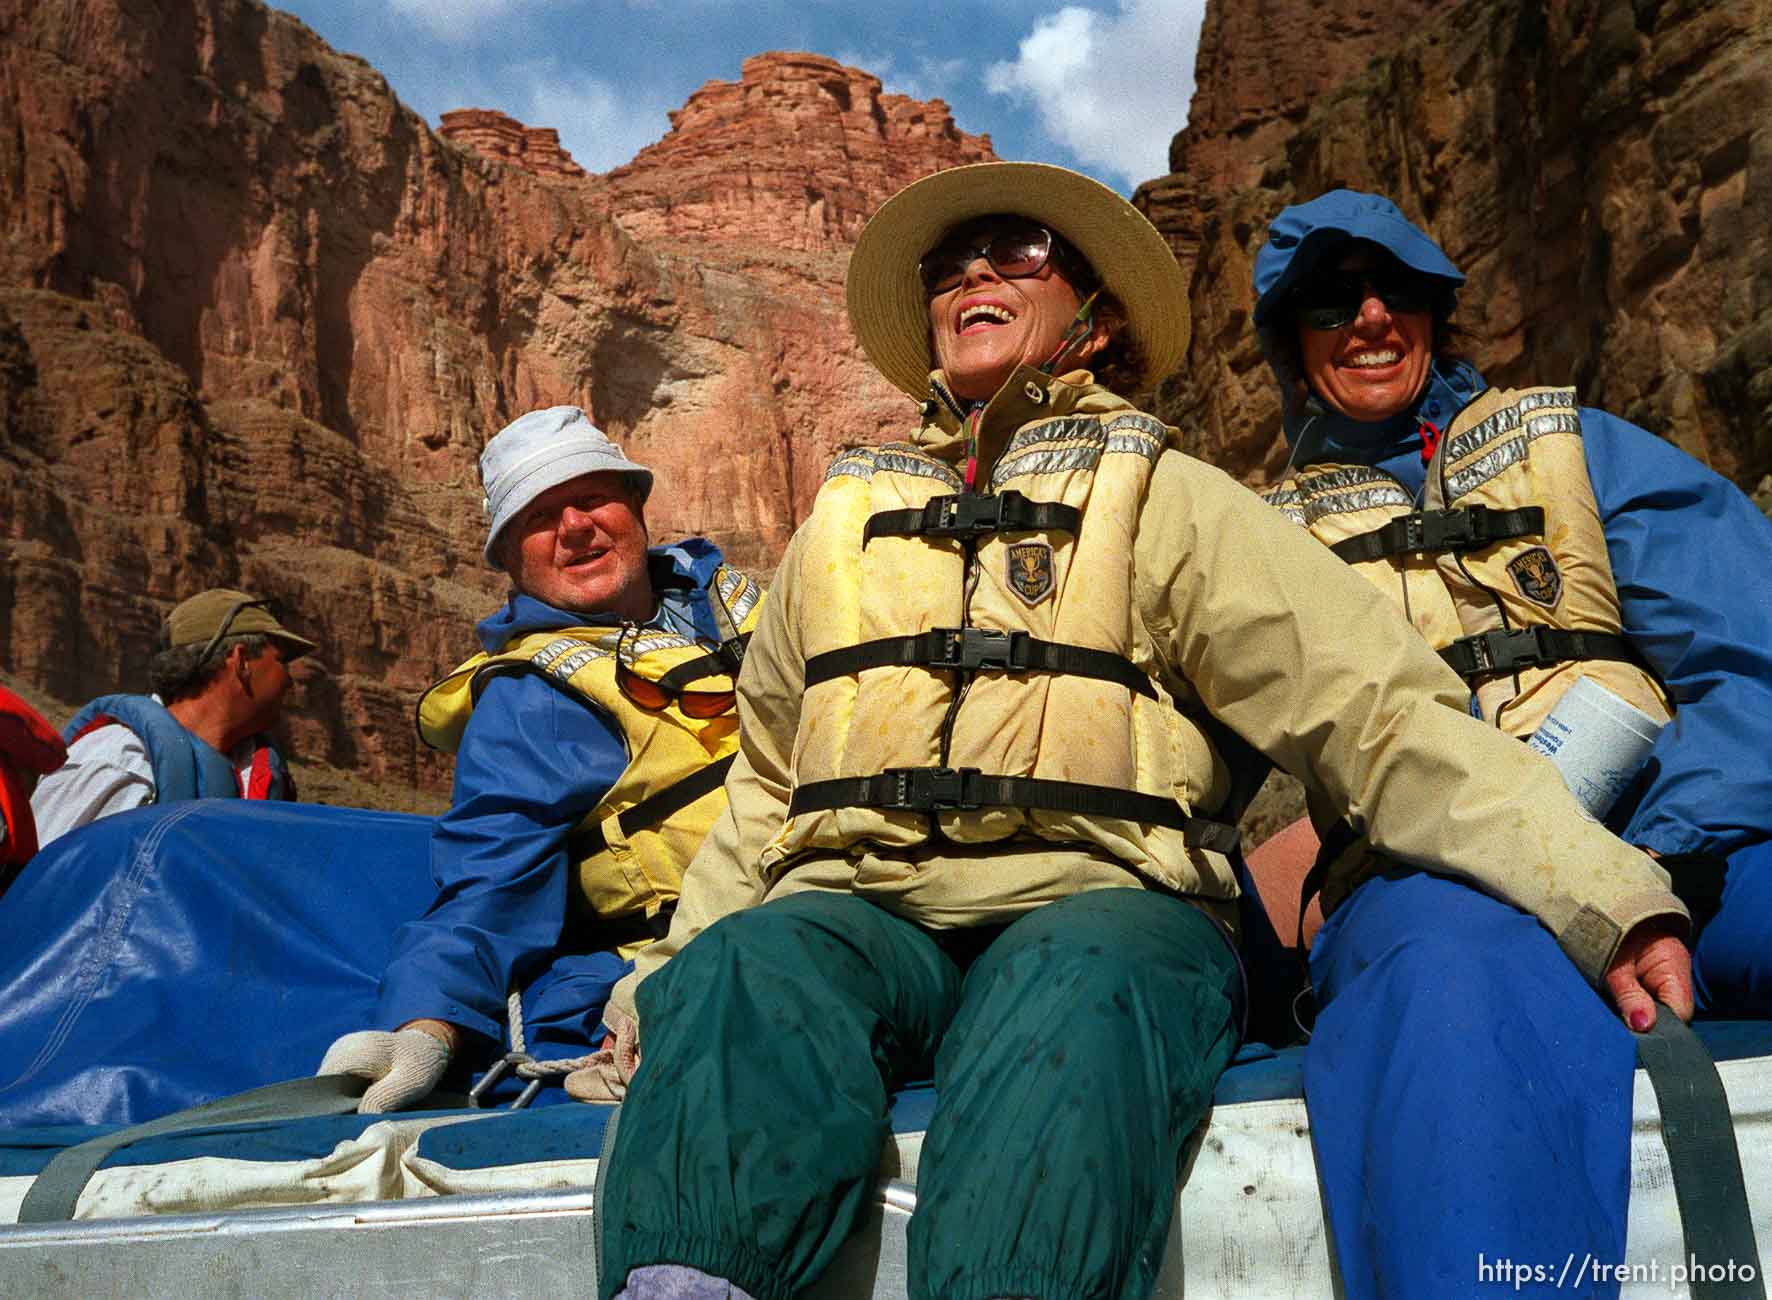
(1598, 742)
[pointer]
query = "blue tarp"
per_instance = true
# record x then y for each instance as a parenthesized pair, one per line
(179, 953)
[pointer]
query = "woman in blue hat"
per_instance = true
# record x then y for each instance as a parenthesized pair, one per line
(1470, 1093)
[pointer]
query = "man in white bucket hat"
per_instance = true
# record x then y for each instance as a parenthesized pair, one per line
(591, 733)
(977, 824)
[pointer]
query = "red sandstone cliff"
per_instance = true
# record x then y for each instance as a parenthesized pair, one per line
(257, 320)
(494, 135)
(743, 156)
(1600, 171)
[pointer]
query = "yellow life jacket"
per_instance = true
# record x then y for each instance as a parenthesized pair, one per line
(1504, 568)
(974, 667)
(630, 851)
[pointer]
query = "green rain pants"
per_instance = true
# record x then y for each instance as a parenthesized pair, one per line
(1072, 1058)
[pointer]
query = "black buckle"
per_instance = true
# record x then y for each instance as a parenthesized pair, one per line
(932, 789)
(1440, 530)
(970, 514)
(972, 648)
(1502, 652)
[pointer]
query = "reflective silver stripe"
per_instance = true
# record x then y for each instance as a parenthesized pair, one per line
(738, 593)
(1507, 420)
(1032, 450)
(566, 667)
(1306, 499)
(1056, 461)
(851, 464)
(1510, 453)
(648, 640)
(893, 458)
(565, 645)
(1136, 444)
(564, 656)
(1064, 428)
(916, 464)
(1153, 431)
(1345, 476)
(1376, 497)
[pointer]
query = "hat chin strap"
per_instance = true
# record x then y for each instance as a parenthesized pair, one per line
(1082, 324)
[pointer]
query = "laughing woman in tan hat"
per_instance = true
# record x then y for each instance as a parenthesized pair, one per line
(975, 822)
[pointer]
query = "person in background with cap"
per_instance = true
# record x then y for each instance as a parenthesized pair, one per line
(1535, 543)
(219, 675)
(977, 822)
(590, 734)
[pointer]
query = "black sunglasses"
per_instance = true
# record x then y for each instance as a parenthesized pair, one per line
(1014, 249)
(654, 696)
(1331, 299)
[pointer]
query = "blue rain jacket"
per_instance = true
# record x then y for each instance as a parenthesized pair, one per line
(1691, 555)
(533, 761)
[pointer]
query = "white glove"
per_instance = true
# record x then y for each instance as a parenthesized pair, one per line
(405, 1066)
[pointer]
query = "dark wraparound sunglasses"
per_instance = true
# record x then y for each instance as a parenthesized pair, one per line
(1015, 251)
(654, 696)
(1334, 298)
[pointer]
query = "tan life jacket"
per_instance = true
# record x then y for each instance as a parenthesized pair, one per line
(629, 852)
(970, 661)
(1504, 569)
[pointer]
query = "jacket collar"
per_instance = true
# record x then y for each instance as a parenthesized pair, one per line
(1028, 394)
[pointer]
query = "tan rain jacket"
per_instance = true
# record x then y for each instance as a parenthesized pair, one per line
(1278, 639)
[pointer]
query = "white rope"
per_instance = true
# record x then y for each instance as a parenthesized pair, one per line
(539, 1069)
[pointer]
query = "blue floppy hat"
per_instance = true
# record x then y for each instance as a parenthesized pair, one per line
(1299, 237)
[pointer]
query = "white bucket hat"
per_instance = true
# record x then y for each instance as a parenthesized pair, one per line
(890, 314)
(541, 450)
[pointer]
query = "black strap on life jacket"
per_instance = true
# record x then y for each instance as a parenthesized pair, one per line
(976, 649)
(1489, 654)
(932, 790)
(1463, 529)
(726, 658)
(974, 514)
(655, 808)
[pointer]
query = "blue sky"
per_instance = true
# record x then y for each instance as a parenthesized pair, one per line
(1100, 86)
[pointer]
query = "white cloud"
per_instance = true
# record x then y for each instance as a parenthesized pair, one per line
(928, 78)
(455, 20)
(1112, 88)
(600, 125)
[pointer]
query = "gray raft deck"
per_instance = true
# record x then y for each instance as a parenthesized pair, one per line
(500, 1203)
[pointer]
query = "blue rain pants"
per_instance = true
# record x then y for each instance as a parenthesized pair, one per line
(1732, 964)
(1469, 1096)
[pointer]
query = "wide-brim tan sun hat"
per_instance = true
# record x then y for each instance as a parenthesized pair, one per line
(890, 315)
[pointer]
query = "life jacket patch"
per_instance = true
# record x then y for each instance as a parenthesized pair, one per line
(1030, 571)
(1536, 575)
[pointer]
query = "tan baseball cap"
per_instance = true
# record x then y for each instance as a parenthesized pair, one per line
(207, 617)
